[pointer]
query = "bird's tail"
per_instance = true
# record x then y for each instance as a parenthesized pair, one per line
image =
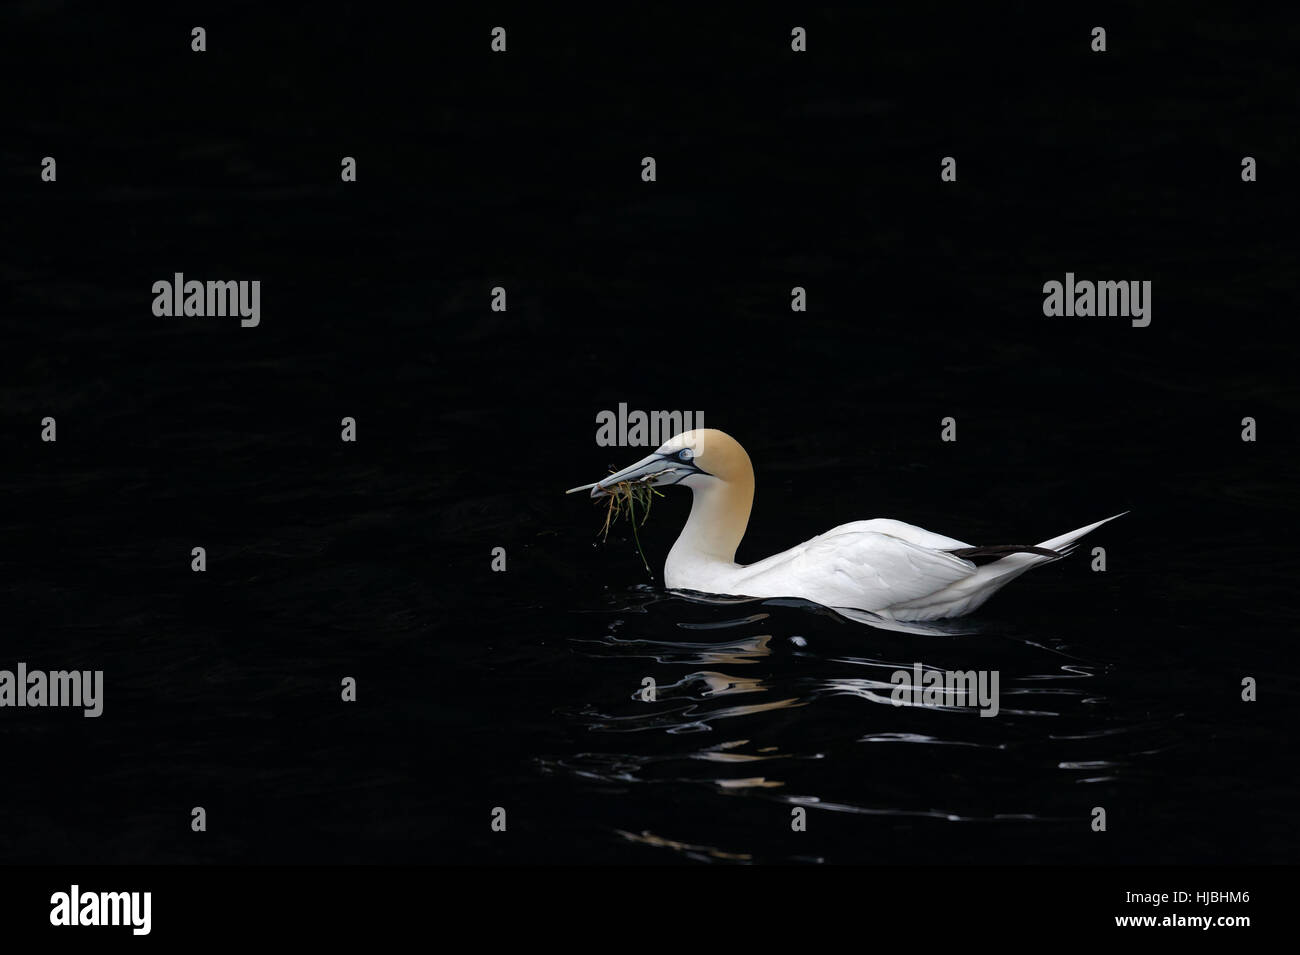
(1053, 549)
(968, 594)
(1068, 541)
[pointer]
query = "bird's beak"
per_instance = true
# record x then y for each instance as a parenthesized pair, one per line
(648, 469)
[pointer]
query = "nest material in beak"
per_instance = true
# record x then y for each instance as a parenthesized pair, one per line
(629, 497)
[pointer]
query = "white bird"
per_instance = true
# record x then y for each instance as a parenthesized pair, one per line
(892, 569)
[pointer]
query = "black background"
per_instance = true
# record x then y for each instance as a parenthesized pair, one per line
(522, 170)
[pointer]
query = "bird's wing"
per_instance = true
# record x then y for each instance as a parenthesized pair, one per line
(859, 568)
(903, 531)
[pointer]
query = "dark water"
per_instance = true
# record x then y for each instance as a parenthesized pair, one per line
(1119, 690)
(519, 690)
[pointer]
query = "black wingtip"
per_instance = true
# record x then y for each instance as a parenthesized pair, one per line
(992, 552)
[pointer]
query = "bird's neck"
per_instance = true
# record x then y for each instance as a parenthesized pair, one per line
(719, 516)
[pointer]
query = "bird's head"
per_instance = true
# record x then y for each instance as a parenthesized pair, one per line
(696, 459)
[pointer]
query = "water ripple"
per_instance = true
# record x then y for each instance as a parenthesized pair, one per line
(799, 689)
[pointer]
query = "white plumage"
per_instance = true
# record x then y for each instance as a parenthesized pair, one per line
(894, 570)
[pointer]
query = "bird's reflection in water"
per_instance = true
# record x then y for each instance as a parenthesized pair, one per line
(787, 681)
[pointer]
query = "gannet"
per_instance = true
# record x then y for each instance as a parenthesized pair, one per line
(894, 570)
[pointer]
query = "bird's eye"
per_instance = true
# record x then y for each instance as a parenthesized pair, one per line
(685, 454)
